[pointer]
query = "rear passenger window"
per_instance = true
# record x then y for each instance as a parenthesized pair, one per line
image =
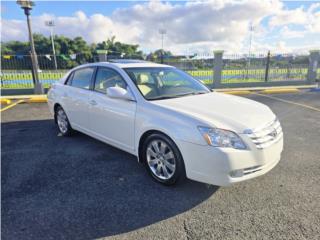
(82, 78)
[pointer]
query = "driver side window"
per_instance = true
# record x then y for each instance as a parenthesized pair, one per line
(106, 78)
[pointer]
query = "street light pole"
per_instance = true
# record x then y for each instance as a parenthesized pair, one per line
(162, 31)
(51, 25)
(251, 29)
(26, 5)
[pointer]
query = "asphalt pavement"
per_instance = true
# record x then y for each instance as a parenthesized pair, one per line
(55, 187)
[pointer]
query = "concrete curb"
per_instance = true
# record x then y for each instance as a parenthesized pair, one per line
(40, 99)
(24, 96)
(27, 98)
(5, 101)
(284, 90)
(273, 90)
(243, 92)
(265, 88)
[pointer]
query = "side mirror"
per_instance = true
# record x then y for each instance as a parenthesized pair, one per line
(120, 93)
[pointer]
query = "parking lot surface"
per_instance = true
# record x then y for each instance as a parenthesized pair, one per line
(79, 188)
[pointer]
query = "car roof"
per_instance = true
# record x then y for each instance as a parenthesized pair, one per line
(124, 63)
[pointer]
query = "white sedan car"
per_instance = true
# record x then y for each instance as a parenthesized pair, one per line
(173, 123)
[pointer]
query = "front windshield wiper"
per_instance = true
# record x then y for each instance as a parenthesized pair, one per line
(179, 95)
(162, 97)
(200, 92)
(190, 93)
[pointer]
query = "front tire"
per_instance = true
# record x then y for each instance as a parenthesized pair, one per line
(63, 122)
(163, 159)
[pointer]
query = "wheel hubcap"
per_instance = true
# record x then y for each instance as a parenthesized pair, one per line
(62, 121)
(161, 160)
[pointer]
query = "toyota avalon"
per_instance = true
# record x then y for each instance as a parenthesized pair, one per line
(171, 122)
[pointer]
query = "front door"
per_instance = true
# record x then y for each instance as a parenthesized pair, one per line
(111, 119)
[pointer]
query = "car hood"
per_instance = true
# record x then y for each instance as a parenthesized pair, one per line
(222, 110)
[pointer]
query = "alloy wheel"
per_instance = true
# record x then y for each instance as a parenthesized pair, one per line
(62, 121)
(161, 159)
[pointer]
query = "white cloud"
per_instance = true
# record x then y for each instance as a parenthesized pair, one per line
(309, 19)
(193, 26)
(13, 30)
(287, 33)
(223, 22)
(314, 18)
(285, 17)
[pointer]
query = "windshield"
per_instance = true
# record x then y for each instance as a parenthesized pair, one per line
(157, 83)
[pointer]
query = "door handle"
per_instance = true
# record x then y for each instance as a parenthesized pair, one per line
(93, 102)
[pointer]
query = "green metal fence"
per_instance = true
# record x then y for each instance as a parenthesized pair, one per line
(23, 79)
(237, 68)
(264, 68)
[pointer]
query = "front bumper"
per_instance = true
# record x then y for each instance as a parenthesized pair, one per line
(224, 166)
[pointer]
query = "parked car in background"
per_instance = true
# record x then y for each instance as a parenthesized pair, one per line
(173, 123)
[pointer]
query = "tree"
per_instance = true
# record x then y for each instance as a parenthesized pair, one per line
(67, 47)
(160, 52)
(156, 55)
(15, 48)
(42, 44)
(117, 49)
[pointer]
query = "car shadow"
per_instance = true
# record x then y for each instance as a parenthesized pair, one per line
(76, 187)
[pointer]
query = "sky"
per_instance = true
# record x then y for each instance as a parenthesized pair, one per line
(191, 26)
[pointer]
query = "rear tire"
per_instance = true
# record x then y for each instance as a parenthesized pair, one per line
(163, 159)
(63, 122)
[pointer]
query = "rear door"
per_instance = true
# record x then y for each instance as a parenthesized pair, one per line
(76, 97)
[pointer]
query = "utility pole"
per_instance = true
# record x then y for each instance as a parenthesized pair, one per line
(51, 24)
(267, 67)
(162, 31)
(27, 5)
(251, 29)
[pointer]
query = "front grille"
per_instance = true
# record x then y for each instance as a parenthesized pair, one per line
(267, 135)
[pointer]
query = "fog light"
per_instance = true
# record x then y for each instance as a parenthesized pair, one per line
(236, 173)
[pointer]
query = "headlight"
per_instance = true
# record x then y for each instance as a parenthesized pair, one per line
(222, 138)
